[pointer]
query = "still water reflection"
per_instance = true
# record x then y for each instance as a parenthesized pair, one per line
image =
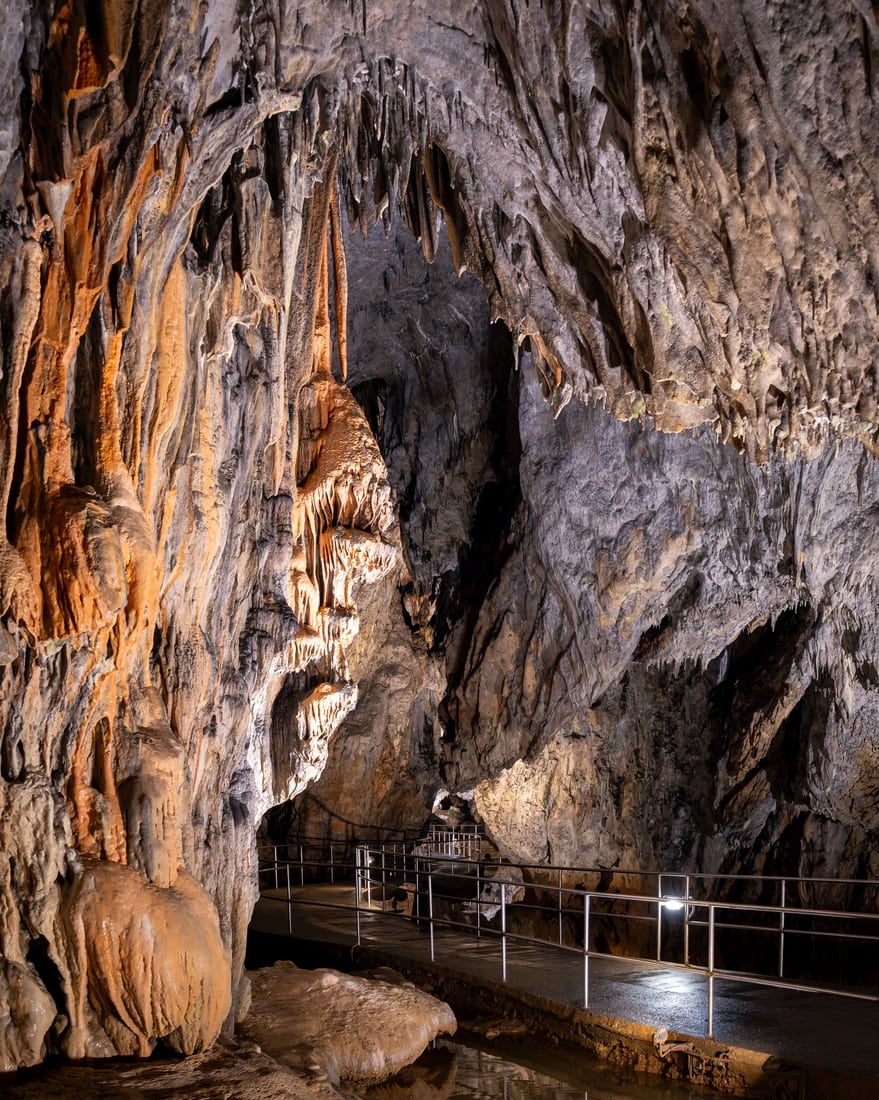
(455, 1071)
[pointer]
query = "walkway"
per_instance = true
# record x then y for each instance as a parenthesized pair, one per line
(804, 1029)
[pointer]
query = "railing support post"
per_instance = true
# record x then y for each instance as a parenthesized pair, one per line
(430, 906)
(301, 867)
(289, 904)
(781, 930)
(367, 861)
(560, 907)
(503, 932)
(357, 888)
(332, 865)
(687, 920)
(275, 850)
(586, 914)
(479, 900)
(659, 919)
(711, 972)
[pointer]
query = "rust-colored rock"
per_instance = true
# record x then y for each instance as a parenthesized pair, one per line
(146, 963)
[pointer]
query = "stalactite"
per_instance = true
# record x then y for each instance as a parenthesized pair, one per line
(340, 284)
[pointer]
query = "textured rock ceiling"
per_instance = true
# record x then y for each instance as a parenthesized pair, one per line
(635, 644)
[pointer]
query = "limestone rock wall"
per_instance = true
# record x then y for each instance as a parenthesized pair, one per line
(190, 502)
(655, 653)
(432, 379)
(690, 677)
(672, 209)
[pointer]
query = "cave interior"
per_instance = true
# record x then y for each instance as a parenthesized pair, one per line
(415, 408)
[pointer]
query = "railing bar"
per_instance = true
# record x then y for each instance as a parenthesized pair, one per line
(724, 975)
(774, 983)
(728, 906)
(633, 872)
(788, 931)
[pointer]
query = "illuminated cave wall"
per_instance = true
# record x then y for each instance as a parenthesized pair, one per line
(671, 211)
(652, 652)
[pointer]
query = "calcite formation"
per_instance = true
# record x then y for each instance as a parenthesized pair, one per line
(348, 1028)
(672, 210)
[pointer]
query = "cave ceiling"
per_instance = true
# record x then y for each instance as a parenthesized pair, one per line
(406, 396)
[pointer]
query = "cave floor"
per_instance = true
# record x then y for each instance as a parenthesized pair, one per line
(799, 1028)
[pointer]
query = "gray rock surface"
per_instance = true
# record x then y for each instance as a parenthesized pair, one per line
(693, 654)
(663, 654)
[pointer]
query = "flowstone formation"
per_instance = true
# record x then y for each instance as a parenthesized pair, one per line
(670, 207)
(346, 1028)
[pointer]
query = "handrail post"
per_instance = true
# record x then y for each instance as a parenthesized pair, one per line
(503, 932)
(368, 863)
(586, 922)
(781, 930)
(479, 900)
(301, 866)
(332, 867)
(384, 882)
(687, 920)
(289, 904)
(430, 907)
(560, 907)
(275, 850)
(357, 887)
(710, 970)
(659, 919)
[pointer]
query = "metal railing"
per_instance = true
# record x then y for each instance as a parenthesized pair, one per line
(481, 899)
(455, 842)
(316, 857)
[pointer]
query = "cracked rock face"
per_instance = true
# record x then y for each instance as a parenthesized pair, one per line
(230, 512)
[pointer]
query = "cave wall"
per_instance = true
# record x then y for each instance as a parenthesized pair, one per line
(672, 210)
(691, 680)
(654, 652)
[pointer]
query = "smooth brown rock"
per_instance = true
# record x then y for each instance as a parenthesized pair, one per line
(348, 1027)
(148, 960)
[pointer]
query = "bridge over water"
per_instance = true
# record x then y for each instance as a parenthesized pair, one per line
(701, 970)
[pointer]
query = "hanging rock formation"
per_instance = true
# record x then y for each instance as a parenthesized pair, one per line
(671, 207)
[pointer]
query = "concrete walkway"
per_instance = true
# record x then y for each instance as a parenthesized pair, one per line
(796, 1028)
